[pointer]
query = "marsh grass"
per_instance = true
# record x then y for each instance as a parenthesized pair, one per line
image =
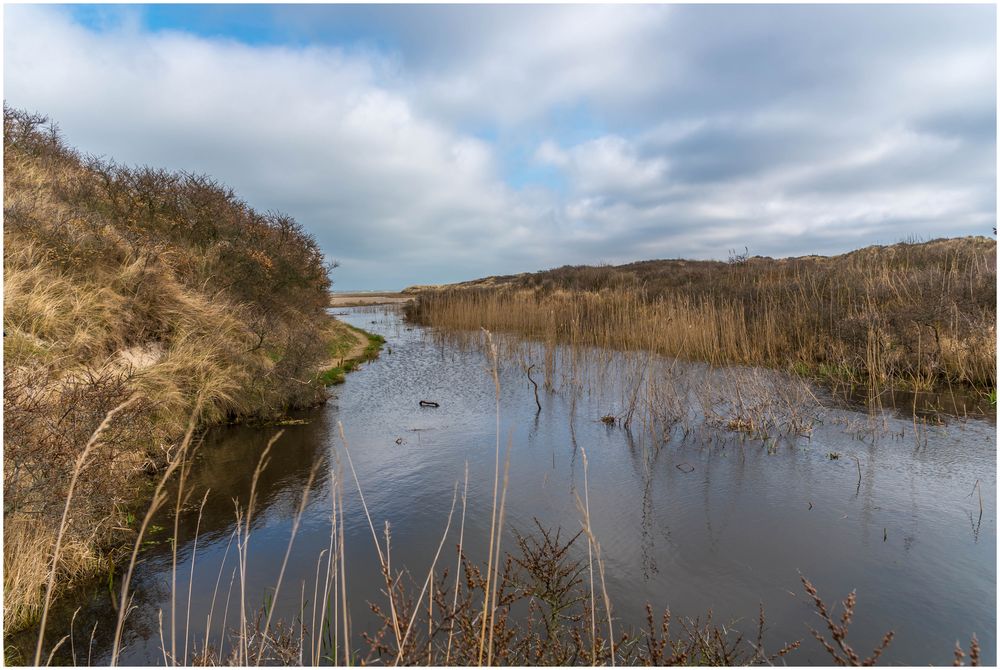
(544, 602)
(908, 315)
(669, 399)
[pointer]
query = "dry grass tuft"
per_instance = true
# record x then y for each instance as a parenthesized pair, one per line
(24, 575)
(124, 282)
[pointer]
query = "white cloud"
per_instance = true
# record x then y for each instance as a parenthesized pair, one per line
(657, 131)
(516, 63)
(311, 132)
(607, 166)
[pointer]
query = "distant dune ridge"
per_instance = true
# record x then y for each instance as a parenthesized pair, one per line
(360, 299)
(913, 314)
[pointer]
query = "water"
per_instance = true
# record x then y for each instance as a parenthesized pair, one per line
(712, 521)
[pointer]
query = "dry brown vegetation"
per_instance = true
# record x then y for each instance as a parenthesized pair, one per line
(544, 603)
(914, 315)
(671, 401)
(527, 607)
(132, 283)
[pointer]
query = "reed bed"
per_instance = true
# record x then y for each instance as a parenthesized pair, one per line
(670, 399)
(912, 315)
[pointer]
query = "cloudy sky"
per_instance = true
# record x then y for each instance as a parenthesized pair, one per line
(436, 144)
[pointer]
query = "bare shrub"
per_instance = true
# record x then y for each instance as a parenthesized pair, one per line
(127, 280)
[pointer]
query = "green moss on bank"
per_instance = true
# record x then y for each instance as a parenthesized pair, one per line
(340, 345)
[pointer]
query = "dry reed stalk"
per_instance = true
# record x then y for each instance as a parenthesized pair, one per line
(345, 620)
(194, 554)
(90, 648)
(584, 509)
(72, 640)
(55, 648)
(383, 559)
(458, 568)
(430, 576)
(163, 644)
(593, 599)
(181, 501)
(225, 612)
(338, 565)
(81, 462)
(296, 520)
(494, 369)
(302, 625)
(391, 583)
(215, 590)
(242, 548)
(154, 505)
(500, 518)
(331, 567)
(315, 604)
(430, 627)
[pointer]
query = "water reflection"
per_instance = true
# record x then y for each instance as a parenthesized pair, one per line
(689, 515)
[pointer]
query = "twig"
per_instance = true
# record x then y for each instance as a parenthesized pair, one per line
(430, 577)
(533, 383)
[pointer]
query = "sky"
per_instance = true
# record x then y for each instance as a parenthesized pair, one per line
(433, 144)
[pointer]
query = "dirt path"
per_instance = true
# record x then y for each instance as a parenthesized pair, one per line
(361, 343)
(356, 350)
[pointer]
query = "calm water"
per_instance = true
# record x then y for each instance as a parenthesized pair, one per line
(734, 526)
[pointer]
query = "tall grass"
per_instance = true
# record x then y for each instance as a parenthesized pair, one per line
(909, 315)
(131, 282)
(77, 469)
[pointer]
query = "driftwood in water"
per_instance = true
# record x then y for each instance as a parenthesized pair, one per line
(533, 383)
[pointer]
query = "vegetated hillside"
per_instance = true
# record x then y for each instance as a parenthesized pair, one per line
(132, 284)
(909, 314)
